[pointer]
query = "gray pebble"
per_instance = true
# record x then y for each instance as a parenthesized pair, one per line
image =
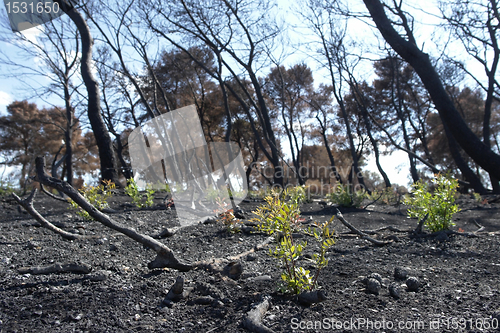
(394, 290)
(373, 286)
(260, 278)
(375, 276)
(412, 283)
(401, 273)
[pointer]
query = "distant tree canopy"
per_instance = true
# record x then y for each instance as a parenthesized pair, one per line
(27, 132)
(332, 111)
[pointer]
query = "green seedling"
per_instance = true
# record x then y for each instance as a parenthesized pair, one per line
(281, 218)
(439, 204)
(96, 196)
(345, 197)
(132, 190)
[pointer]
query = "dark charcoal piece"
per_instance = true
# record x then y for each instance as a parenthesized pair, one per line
(373, 286)
(412, 283)
(376, 276)
(401, 273)
(394, 290)
(233, 270)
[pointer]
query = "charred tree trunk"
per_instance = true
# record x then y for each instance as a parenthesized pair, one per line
(420, 61)
(68, 135)
(329, 151)
(109, 169)
(469, 175)
(486, 122)
(368, 125)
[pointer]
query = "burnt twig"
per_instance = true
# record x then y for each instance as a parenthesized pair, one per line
(253, 320)
(28, 205)
(358, 232)
(52, 195)
(77, 268)
(165, 257)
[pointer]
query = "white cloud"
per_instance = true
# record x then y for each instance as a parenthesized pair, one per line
(5, 99)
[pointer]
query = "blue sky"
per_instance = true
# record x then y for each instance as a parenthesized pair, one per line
(395, 165)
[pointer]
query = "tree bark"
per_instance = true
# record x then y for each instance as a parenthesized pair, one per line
(368, 125)
(68, 134)
(469, 175)
(329, 151)
(421, 62)
(109, 167)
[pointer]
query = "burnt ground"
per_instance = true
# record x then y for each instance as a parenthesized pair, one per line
(459, 276)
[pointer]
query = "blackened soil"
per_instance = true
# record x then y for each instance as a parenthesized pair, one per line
(459, 276)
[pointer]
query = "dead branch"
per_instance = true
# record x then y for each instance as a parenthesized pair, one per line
(165, 257)
(480, 227)
(255, 248)
(253, 320)
(177, 291)
(214, 264)
(167, 232)
(358, 232)
(28, 205)
(390, 228)
(374, 201)
(418, 230)
(77, 268)
(52, 195)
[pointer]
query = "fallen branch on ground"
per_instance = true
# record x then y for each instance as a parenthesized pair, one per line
(177, 291)
(165, 257)
(359, 232)
(377, 231)
(418, 229)
(253, 320)
(481, 228)
(214, 264)
(57, 268)
(28, 205)
(55, 197)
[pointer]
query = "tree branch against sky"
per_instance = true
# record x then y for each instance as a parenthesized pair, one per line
(421, 62)
(241, 73)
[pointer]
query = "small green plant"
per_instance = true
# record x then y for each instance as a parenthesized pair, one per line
(385, 196)
(281, 219)
(6, 188)
(96, 195)
(439, 204)
(226, 216)
(477, 197)
(294, 278)
(325, 239)
(345, 197)
(297, 194)
(132, 190)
